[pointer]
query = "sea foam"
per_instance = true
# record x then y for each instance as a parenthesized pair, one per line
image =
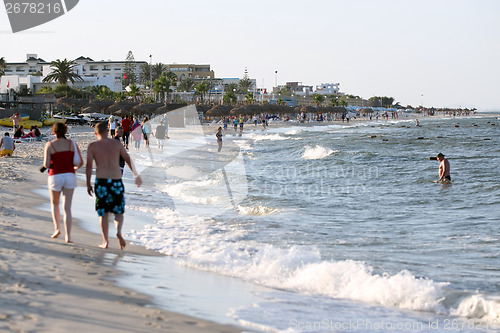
(318, 152)
(226, 249)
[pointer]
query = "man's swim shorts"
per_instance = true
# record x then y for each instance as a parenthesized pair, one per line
(110, 196)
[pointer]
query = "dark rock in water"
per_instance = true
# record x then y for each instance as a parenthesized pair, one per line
(385, 139)
(492, 124)
(457, 126)
(439, 137)
(487, 139)
(373, 136)
(420, 138)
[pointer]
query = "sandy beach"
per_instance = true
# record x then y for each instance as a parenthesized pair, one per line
(50, 286)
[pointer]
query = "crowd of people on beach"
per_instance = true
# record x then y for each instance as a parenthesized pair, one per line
(109, 154)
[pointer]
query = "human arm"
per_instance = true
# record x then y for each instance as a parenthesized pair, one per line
(77, 151)
(128, 160)
(46, 156)
(88, 168)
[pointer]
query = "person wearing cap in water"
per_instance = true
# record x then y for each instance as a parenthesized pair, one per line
(444, 168)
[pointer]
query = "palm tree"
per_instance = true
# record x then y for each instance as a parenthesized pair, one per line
(201, 89)
(334, 100)
(3, 65)
(186, 85)
(318, 99)
(285, 91)
(172, 77)
(230, 97)
(162, 86)
(101, 92)
(145, 73)
(134, 91)
(157, 70)
(62, 72)
(245, 84)
(343, 102)
(249, 97)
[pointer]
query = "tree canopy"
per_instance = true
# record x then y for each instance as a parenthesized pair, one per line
(62, 72)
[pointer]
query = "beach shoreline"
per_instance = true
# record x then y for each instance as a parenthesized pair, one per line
(52, 276)
(50, 286)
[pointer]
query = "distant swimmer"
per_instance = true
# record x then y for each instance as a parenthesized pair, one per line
(444, 168)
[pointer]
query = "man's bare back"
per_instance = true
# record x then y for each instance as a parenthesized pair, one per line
(106, 153)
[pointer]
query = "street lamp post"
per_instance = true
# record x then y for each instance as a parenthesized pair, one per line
(151, 73)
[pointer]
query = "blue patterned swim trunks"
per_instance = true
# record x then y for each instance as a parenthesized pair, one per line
(110, 196)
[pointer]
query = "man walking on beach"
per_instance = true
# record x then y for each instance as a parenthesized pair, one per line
(109, 188)
(444, 168)
(126, 124)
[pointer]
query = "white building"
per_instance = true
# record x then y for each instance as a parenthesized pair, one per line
(30, 74)
(328, 88)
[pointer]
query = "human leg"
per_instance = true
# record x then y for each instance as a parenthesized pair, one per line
(56, 214)
(67, 201)
(119, 224)
(104, 230)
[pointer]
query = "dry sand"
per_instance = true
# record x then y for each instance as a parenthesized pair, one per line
(50, 286)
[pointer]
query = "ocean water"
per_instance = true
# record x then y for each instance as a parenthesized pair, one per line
(324, 228)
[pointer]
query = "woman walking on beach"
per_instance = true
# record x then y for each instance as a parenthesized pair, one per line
(146, 130)
(137, 134)
(61, 161)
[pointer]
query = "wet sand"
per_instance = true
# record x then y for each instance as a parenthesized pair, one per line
(50, 286)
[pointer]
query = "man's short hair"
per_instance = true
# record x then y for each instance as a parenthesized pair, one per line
(6, 134)
(102, 127)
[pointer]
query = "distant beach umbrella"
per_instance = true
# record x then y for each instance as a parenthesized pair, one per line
(219, 111)
(367, 110)
(101, 105)
(126, 107)
(90, 109)
(339, 109)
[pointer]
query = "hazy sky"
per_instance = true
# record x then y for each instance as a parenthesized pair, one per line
(441, 52)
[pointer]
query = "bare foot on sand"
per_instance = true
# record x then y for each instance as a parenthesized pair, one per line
(121, 241)
(104, 246)
(68, 241)
(56, 234)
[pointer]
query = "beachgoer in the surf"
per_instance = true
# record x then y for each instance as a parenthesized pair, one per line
(444, 168)
(219, 138)
(109, 190)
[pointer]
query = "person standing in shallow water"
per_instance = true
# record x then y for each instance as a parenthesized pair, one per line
(109, 189)
(444, 168)
(219, 138)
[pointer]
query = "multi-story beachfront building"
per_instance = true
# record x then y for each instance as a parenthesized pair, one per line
(30, 74)
(328, 88)
(191, 71)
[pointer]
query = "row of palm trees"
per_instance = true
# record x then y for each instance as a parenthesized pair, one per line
(162, 81)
